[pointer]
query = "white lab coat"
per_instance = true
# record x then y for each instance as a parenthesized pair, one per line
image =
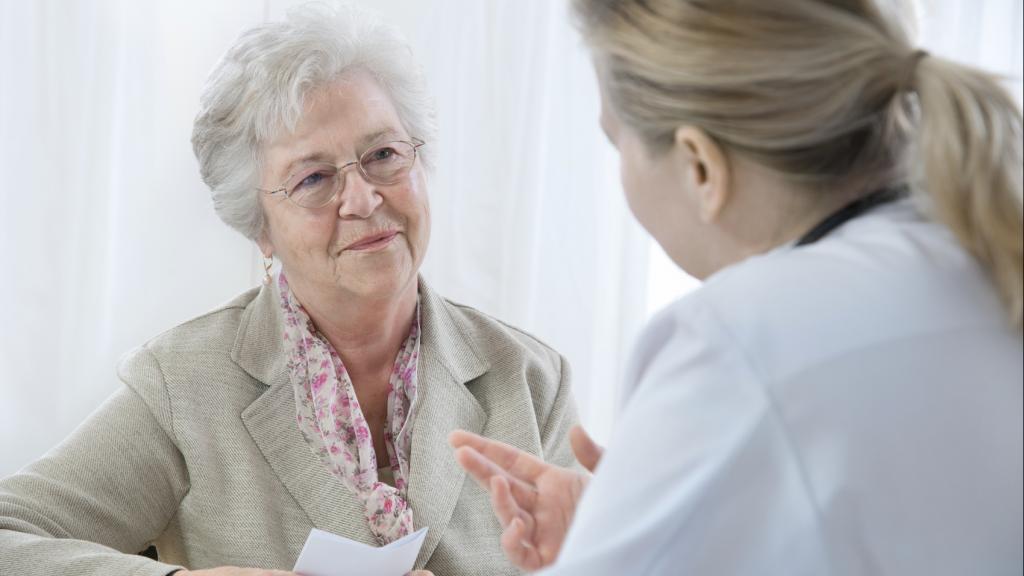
(851, 407)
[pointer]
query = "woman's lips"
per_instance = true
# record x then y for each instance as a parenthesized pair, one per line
(373, 242)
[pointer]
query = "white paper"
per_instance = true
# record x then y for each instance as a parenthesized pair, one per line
(326, 554)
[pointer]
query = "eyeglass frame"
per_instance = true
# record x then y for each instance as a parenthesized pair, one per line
(416, 144)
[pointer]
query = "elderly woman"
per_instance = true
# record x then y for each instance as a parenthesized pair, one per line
(322, 399)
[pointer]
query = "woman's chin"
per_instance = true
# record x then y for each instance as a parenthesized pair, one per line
(375, 278)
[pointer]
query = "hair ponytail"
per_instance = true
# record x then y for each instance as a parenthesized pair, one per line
(969, 151)
(823, 92)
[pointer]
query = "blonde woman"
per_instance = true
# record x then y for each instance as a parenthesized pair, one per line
(843, 395)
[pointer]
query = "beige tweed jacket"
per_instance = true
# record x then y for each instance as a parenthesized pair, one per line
(199, 453)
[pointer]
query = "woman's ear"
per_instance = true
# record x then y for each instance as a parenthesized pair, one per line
(706, 171)
(265, 245)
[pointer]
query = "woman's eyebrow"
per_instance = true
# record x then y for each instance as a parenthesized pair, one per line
(288, 170)
(363, 142)
(377, 136)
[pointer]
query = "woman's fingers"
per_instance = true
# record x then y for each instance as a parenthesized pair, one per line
(517, 547)
(504, 504)
(513, 460)
(478, 466)
(520, 539)
(482, 470)
(511, 476)
(587, 452)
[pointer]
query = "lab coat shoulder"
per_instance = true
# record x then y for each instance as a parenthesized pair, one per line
(697, 429)
(751, 438)
(878, 279)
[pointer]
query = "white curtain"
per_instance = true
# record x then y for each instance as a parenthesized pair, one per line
(985, 33)
(529, 222)
(110, 236)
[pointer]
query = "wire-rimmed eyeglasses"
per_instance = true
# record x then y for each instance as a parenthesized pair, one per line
(318, 184)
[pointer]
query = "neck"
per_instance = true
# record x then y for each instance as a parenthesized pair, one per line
(367, 331)
(770, 212)
(792, 228)
(778, 212)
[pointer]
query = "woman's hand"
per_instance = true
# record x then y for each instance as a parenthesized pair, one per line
(534, 501)
(587, 452)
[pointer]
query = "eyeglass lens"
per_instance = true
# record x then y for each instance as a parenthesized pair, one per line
(317, 184)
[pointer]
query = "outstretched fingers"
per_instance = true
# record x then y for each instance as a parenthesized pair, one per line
(587, 452)
(518, 548)
(483, 470)
(506, 508)
(514, 461)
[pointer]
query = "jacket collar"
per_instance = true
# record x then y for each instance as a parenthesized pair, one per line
(448, 361)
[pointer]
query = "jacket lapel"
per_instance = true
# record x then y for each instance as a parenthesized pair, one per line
(270, 420)
(443, 403)
(447, 362)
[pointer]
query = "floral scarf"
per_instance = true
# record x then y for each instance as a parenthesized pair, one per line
(331, 421)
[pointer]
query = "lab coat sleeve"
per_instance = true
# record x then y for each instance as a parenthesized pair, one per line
(700, 477)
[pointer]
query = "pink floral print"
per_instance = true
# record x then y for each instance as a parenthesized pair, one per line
(331, 421)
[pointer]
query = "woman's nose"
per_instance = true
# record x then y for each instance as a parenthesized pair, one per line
(359, 198)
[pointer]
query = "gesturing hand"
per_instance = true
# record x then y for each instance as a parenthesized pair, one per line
(534, 501)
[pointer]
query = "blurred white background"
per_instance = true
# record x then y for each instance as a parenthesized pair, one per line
(109, 236)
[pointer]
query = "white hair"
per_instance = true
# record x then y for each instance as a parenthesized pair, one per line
(259, 86)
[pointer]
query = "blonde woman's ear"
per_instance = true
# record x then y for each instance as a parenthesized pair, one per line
(706, 169)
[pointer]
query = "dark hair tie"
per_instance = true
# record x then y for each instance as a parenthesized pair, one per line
(910, 70)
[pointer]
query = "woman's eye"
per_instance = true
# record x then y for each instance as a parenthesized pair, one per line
(311, 180)
(382, 154)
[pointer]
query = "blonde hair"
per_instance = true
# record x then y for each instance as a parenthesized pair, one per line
(831, 94)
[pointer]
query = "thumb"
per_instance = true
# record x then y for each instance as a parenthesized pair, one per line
(587, 452)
